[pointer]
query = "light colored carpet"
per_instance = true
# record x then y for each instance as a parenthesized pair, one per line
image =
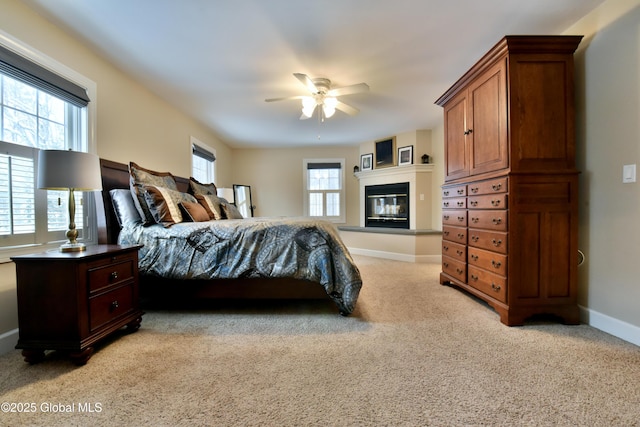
(414, 353)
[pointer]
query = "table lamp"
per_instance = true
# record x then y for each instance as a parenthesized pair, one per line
(69, 170)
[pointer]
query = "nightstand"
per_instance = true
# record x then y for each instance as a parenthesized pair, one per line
(70, 301)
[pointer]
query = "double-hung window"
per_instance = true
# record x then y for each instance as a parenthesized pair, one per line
(202, 162)
(39, 109)
(324, 189)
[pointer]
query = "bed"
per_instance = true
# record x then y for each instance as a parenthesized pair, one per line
(275, 258)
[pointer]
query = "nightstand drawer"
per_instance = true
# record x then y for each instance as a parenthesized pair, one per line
(111, 274)
(109, 306)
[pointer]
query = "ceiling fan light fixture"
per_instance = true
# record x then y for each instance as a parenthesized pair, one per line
(308, 106)
(329, 106)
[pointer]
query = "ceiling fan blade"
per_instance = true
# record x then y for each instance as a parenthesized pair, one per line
(284, 98)
(349, 90)
(352, 111)
(305, 80)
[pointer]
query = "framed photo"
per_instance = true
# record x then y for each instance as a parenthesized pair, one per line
(405, 155)
(366, 162)
(385, 150)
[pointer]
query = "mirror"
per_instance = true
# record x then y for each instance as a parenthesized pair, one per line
(242, 199)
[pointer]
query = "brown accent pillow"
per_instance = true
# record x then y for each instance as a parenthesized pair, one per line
(211, 204)
(195, 211)
(163, 203)
(197, 187)
(138, 178)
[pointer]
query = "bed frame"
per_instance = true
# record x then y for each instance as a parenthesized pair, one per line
(116, 175)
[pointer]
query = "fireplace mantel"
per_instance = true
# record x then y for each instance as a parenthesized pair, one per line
(419, 178)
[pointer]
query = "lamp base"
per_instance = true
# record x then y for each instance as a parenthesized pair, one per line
(72, 247)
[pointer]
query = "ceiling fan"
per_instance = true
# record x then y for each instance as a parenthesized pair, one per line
(323, 95)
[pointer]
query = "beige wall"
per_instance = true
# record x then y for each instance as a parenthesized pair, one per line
(608, 137)
(276, 178)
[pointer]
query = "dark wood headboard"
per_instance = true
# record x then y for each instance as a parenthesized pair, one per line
(116, 175)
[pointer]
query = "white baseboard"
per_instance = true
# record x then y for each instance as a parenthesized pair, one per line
(611, 325)
(8, 341)
(436, 259)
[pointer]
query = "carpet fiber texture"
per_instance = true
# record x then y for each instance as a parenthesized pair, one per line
(414, 353)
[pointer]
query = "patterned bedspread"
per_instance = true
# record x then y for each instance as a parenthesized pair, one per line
(300, 248)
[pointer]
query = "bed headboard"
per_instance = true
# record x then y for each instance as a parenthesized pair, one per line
(116, 175)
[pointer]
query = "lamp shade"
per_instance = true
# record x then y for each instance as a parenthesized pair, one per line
(62, 170)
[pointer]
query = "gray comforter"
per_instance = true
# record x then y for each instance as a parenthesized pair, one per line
(301, 248)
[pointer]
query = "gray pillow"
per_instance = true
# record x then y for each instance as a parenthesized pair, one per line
(124, 207)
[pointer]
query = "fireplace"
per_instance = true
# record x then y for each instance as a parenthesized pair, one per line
(387, 205)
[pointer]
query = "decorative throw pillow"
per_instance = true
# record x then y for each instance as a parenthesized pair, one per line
(138, 178)
(211, 203)
(230, 210)
(197, 187)
(163, 204)
(195, 212)
(124, 207)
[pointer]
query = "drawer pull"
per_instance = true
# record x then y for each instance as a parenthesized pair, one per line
(446, 192)
(114, 305)
(475, 238)
(446, 204)
(473, 203)
(460, 218)
(496, 243)
(459, 252)
(446, 248)
(446, 264)
(496, 264)
(474, 277)
(496, 187)
(495, 203)
(461, 191)
(446, 217)
(495, 287)
(114, 275)
(474, 189)
(497, 221)
(460, 235)
(460, 204)
(446, 233)
(474, 257)
(459, 270)
(475, 220)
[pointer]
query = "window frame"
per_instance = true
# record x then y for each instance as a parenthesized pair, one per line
(340, 219)
(194, 142)
(88, 137)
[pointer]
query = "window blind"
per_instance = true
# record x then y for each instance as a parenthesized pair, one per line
(33, 74)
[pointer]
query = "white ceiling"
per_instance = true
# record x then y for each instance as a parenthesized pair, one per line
(218, 60)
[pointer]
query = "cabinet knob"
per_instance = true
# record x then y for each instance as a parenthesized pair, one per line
(114, 275)
(468, 131)
(114, 305)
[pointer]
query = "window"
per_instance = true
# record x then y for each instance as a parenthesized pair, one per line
(38, 110)
(324, 189)
(202, 162)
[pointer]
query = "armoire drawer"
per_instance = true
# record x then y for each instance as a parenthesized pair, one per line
(492, 186)
(455, 268)
(455, 218)
(454, 250)
(455, 234)
(492, 240)
(454, 203)
(488, 219)
(455, 191)
(490, 261)
(488, 283)
(491, 201)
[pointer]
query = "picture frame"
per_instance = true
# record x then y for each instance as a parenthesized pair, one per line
(385, 150)
(366, 162)
(405, 155)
